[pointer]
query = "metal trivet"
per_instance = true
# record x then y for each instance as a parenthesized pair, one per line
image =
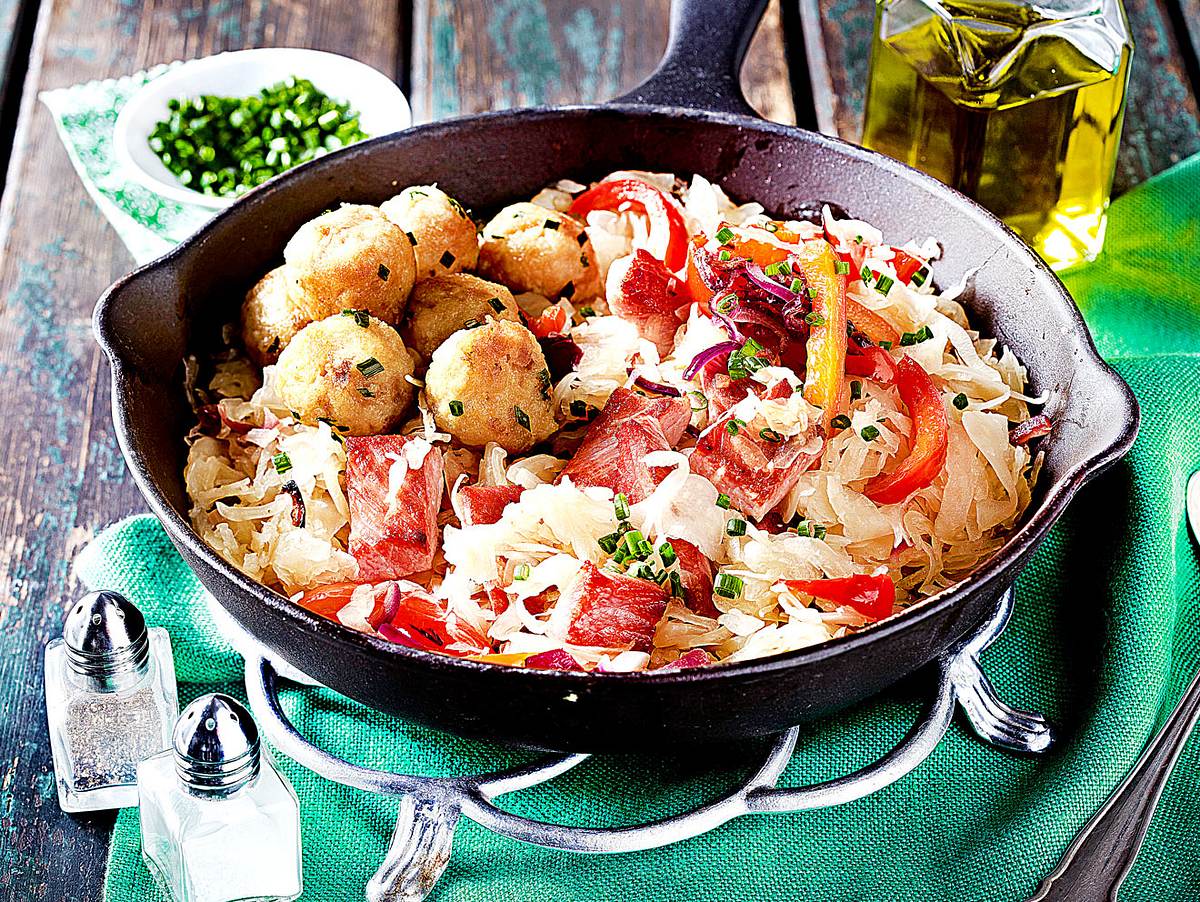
(431, 806)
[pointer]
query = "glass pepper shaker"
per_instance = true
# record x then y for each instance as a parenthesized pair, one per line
(110, 701)
(219, 822)
(1017, 104)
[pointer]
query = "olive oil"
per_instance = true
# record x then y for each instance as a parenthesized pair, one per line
(1018, 106)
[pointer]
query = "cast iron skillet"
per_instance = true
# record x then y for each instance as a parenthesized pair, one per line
(688, 117)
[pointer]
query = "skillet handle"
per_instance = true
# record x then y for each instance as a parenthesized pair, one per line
(702, 64)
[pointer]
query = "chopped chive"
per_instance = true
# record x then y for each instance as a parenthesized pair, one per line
(621, 506)
(666, 554)
(522, 417)
(812, 292)
(728, 586)
(362, 319)
(960, 401)
(770, 435)
(366, 392)
(908, 339)
(282, 462)
(733, 426)
(497, 305)
(751, 347)
(587, 311)
(797, 286)
(456, 408)
(725, 255)
(521, 572)
(609, 542)
(886, 345)
(924, 333)
(842, 268)
(884, 284)
(771, 227)
(866, 274)
(447, 259)
(699, 402)
(724, 235)
(640, 570)
(676, 584)
(815, 319)
(370, 367)
(384, 272)
(735, 527)
(723, 501)
(920, 276)
(551, 225)
(841, 421)
(855, 390)
(725, 304)
(869, 433)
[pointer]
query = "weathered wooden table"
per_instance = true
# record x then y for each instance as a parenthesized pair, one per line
(61, 474)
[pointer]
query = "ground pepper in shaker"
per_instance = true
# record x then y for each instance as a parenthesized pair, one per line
(110, 701)
(219, 822)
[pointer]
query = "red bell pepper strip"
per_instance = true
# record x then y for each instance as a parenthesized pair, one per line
(826, 347)
(906, 265)
(668, 232)
(551, 321)
(328, 600)
(872, 363)
(871, 596)
(927, 454)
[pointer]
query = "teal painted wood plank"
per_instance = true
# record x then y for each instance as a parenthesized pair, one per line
(1162, 125)
(62, 477)
(475, 55)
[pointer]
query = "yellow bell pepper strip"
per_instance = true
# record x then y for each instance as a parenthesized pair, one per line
(824, 383)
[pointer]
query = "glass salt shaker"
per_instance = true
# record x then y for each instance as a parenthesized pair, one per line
(110, 701)
(219, 822)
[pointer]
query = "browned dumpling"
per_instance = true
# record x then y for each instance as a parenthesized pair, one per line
(491, 384)
(446, 240)
(269, 319)
(530, 248)
(349, 368)
(352, 258)
(441, 305)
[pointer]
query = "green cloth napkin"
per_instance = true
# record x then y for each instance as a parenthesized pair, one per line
(1103, 640)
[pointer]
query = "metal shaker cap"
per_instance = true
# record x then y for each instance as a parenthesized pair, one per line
(216, 744)
(105, 638)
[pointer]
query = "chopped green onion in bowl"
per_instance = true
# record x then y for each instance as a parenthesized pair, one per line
(224, 146)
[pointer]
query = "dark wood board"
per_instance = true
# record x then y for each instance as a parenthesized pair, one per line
(470, 57)
(1162, 125)
(62, 477)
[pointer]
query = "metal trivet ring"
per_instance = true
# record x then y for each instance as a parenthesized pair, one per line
(431, 806)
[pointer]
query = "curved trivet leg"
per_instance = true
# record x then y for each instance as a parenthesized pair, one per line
(990, 717)
(418, 853)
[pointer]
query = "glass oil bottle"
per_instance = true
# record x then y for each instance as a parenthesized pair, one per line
(1017, 104)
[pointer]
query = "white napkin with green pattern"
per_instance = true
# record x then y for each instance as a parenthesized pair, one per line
(147, 223)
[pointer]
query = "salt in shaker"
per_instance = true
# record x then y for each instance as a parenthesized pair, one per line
(219, 822)
(110, 700)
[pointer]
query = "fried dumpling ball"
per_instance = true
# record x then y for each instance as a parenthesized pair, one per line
(269, 319)
(441, 305)
(445, 234)
(491, 384)
(348, 368)
(531, 248)
(351, 258)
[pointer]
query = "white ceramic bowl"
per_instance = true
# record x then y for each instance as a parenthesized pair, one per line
(381, 106)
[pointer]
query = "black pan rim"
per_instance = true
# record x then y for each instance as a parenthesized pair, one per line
(1046, 512)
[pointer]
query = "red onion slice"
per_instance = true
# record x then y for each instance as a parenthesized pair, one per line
(724, 347)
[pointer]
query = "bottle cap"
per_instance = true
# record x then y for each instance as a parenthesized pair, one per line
(106, 639)
(216, 745)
